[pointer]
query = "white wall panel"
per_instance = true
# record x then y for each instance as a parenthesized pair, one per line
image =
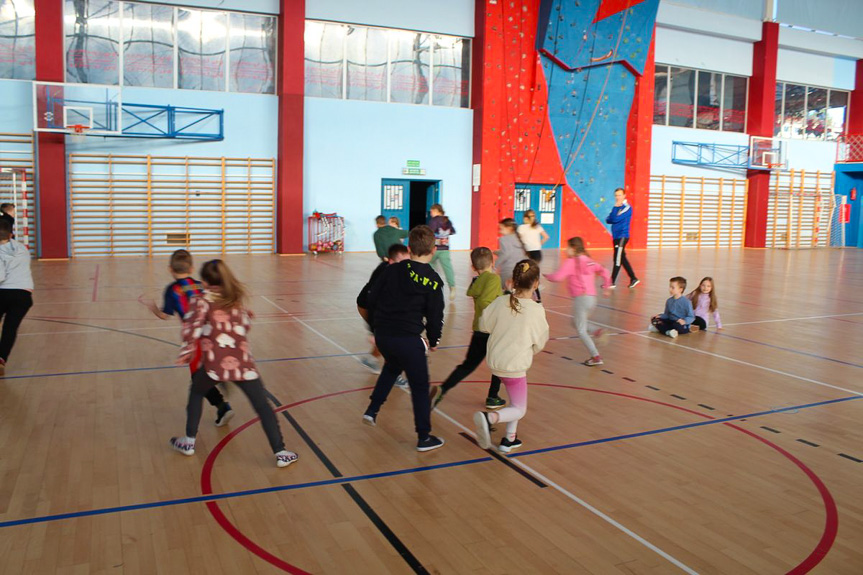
(815, 69)
(454, 17)
(692, 50)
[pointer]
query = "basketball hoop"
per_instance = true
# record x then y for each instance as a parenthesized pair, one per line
(77, 133)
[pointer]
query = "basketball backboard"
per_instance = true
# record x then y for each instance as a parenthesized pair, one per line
(767, 154)
(57, 107)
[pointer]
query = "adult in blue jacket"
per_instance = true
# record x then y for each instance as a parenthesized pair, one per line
(620, 218)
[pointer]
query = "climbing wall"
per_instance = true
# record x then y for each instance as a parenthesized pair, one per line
(557, 85)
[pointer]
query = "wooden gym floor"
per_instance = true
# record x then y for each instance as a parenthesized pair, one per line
(733, 452)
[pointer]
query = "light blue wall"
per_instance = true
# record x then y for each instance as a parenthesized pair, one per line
(16, 106)
(259, 6)
(350, 146)
(454, 17)
(660, 151)
(251, 126)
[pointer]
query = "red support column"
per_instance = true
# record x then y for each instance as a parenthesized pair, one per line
(289, 176)
(761, 112)
(51, 148)
(854, 124)
(639, 135)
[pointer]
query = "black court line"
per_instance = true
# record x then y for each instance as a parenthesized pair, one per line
(376, 520)
(133, 334)
(846, 456)
(706, 407)
(567, 358)
(677, 396)
(809, 443)
(770, 429)
(651, 387)
(629, 379)
(606, 371)
(507, 462)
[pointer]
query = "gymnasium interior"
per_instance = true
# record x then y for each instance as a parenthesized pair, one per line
(270, 134)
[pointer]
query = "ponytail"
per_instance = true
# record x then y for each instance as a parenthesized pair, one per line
(231, 293)
(524, 277)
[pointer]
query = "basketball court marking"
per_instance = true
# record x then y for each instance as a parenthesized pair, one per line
(532, 471)
(720, 356)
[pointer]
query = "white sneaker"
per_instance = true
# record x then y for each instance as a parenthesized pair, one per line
(185, 445)
(652, 329)
(402, 382)
(483, 433)
(672, 333)
(371, 363)
(452, 294)
(285, 458)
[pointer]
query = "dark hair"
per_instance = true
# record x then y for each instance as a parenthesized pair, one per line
(524, 276)
(511, 225)
(532, 215)
(694, 294)
(381, 221)
(421, 241)
(181, 262)
(395, 250)
(481, 258)
(620, 190)
(6, 206)
(231, 292)
(577, 244)
(5, 230)
(681, 281)
(437, 208)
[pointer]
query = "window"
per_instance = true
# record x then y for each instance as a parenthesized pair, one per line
(381, 65)
(17, 40)
(810, 112)
(92, 41)
(162, 46)
(682, 97)
(699, 99)
(148, 45)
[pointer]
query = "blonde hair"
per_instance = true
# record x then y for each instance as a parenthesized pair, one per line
(524, 277)
(231, 293)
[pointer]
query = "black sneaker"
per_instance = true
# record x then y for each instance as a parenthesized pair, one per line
(224, 414)
(506, 445)
(634, 283)
(429, 443)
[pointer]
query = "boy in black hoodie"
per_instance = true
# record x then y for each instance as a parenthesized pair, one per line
(407, 293)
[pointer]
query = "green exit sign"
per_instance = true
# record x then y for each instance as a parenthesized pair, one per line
(413, 163)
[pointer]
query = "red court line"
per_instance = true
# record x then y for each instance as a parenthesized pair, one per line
(825, 542)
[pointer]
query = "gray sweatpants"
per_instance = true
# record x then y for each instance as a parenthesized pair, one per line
(582, 306)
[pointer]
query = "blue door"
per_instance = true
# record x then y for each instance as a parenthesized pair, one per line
(409, 200)
(395, 199)
(545, 201)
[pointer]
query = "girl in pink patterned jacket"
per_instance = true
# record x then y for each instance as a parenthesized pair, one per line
(580, 272)
(219, 323)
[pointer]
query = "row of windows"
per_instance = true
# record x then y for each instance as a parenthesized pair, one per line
(375, 64)
(148, 45)
(809, 113)
(695, 98)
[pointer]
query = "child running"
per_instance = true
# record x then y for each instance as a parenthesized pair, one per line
(517, 331)
(580, 270)
(510, 251)
(704, 301)
(406, 294)
(385, 236)
(178, 296)
(484, 289)
(533, 236)
(678, 314)
(219, 323)
(443, 229)
(395, 254)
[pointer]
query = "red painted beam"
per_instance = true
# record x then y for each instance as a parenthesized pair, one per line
(51, 148)
(855, 117)
(289, 171)
(761, 112)
(639, 130)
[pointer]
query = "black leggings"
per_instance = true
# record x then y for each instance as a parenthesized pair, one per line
(14, 305)
(254, 390)
(475, 354)
(535, 255)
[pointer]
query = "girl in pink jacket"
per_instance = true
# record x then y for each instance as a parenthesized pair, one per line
(580, 272)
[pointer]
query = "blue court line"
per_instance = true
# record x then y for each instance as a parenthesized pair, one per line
(341, 480)
(685, 426)
(797, 351)
(160, 367)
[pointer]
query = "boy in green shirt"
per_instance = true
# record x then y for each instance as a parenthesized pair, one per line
(385, 236)
(484, 289)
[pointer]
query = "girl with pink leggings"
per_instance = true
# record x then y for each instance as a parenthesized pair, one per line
(517, 331)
